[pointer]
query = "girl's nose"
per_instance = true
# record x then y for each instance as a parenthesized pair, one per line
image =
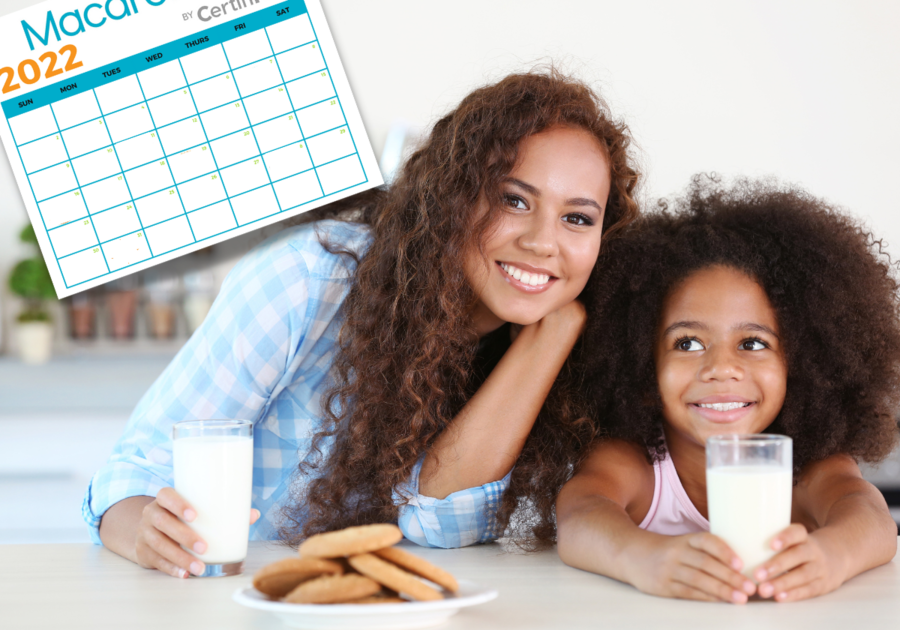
(539, 235)
(721, 365)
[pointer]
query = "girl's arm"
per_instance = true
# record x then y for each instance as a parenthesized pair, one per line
(842, 527)
(598, 512)
(483, 442)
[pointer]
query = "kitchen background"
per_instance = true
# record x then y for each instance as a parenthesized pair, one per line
(801, 90)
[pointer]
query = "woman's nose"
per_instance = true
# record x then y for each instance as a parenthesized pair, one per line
(539, 235)
(721, 365)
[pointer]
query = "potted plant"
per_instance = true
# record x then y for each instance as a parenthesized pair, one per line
(31, 281)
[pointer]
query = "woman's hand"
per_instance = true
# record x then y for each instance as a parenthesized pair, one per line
(693, 566)
(805, 566)
(161, 534)
(566, 323)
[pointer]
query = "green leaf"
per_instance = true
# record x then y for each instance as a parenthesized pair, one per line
(31, 280)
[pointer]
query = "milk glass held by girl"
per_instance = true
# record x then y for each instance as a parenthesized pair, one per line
(744, 310)
(374, 353)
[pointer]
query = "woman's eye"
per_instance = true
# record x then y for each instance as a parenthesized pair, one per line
(688, 345)
(753, 344)
(514, 201)
(576, 218)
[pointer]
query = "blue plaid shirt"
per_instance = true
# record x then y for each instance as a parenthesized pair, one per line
(264, 354)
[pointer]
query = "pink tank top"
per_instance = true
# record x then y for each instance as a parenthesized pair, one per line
(671, 513)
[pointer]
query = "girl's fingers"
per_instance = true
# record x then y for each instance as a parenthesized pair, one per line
(685, 591)
(169, 550)
(716, 547)
(706, 583)
(182, 534)
(707, 564)
(783, 562)
(804, 592)
(801, 576)
(172, 501)
(790, 536)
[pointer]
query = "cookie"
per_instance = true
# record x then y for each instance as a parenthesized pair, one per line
(351, 541)
(280, 578)
(379, 599)
(333, 589)
(393, 577)
(419, 566)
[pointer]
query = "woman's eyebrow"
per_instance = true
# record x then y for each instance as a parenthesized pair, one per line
(534, 192)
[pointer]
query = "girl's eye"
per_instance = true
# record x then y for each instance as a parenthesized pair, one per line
(688, 344)
(576, 218)
(515, 201)
(753, 344)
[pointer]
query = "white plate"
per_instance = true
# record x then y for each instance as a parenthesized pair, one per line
(373, 616)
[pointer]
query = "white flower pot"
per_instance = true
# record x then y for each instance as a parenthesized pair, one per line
(35, 341)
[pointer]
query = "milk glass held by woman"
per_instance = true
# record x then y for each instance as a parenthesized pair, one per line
(746, 310)
(408, 364)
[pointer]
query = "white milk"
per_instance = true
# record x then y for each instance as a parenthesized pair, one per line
(748, 506)
(215, 475)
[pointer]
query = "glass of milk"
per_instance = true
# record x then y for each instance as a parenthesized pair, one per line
(213, 461)
(748, 489)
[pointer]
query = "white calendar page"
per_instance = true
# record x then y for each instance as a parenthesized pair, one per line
(141, 130)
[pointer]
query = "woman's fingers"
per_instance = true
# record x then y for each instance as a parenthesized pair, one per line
(170, 500)
(170, 551)
(254, 515)
(165, 522)
(149, 559)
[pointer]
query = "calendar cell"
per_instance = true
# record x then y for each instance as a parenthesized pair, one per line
(330, 146)
(182, 135)
(201, 192)
(287, 161)
(214, 92)
(63, 209)
(72, 237)
(169, 235)
(311, 89)
(111, 224)
(162, 79)
(300, 62)
(43, 153)
(298, 190)
(128, 123)
(277, 133)
(224, 120)
(76, 110)
(95, 166)
(125, 251)
(212, 220)
(119, 94)
(322, 117)
(174, 106)
(257, 77)
(244, 176)
(83, 266)
(159, 207)
(33, 125)
(52, 181)
(86, 138)
(234, 148)
(341, 174)
(204, 64)
(267, 105)
(192, 163)
(139, 150)
(255, 205)
(150, 178)
(247, 49)
(291, 33)
(105, 194)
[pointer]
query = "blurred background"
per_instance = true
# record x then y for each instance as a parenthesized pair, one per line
(801, 90)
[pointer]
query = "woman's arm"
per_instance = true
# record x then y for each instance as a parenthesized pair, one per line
(598, 512)
(483, 442)
(842, 527)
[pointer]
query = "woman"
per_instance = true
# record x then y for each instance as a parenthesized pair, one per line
(376, 357)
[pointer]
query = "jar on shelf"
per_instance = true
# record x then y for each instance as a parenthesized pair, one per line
(162, 293)
(121, 302)
(82, 316)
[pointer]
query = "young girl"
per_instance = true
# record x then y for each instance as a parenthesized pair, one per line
(395, 362)
(750, 310)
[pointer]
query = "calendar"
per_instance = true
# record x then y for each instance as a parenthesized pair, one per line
(142, 130)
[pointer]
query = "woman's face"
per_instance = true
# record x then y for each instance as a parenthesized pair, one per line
(543, 246)
(720, 362)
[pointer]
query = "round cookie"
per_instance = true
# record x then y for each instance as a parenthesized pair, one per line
(351, 541)
(333, 589)
(393, 577)
(419, 566)
(280, 578)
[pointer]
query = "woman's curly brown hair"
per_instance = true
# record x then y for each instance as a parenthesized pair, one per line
(833, 289)
(404, 367)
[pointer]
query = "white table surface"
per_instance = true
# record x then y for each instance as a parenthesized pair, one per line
(75, 586)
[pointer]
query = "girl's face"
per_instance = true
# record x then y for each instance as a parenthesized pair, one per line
(540, 252)
(720, 364)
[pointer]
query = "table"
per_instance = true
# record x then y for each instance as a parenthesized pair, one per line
(79, 586)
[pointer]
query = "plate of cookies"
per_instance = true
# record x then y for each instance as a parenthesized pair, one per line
(356, 578)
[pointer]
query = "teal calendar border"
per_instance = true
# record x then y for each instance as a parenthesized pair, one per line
(139, 63)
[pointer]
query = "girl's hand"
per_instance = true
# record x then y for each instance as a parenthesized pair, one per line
(805, 567)
(694, 566)
(160, 535)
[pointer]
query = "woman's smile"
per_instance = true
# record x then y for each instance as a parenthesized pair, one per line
(527, 278)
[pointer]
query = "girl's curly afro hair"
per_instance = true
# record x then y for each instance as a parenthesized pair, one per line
(832, 287)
